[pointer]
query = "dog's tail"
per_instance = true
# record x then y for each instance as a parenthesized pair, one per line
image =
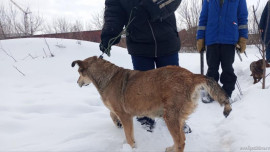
(215, 91)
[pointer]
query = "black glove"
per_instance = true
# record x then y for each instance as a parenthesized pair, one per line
(103, 46)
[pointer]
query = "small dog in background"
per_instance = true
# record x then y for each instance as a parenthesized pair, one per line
(256, 69)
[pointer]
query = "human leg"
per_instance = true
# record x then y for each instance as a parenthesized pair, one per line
(228, 77)
(143, 63)
(172, 59)
(213, 62)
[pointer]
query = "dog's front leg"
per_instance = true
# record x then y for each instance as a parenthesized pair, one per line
(127, 123)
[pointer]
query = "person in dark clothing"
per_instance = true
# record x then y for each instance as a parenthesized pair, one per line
(151, 36)
(152, 32)
(265, 29)
(222, 26)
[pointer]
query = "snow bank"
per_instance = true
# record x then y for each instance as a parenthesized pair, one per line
(45, 110)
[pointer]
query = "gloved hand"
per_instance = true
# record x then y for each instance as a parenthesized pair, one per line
(103, 46)
(200, 44)
(242, 44)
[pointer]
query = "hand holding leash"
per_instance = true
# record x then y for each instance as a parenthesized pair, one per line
(238, 51)
(105, 46)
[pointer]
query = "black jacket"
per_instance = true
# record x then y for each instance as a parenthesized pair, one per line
(263, 23)
(153, 31)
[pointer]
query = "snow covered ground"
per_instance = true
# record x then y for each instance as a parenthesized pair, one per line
(45, 110)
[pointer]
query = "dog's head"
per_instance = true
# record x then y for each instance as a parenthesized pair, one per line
(83, 70)
(256, 67)
(259, 64)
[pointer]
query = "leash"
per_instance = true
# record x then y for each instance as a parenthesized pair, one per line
(101, 56)
(112, 40)
(238, 51)
(239, 87)
(239, 96)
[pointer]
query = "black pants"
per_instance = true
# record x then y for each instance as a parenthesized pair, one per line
(222, 54)
(149, 63)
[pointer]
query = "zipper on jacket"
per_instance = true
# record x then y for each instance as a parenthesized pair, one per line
(153, 37)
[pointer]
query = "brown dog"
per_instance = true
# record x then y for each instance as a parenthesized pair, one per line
(170, 92)
(256, 69)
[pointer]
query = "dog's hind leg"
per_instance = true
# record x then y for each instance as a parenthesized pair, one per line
(255, 80)
(171, 116)
(116, 120)
(182, 134)
(127, 123)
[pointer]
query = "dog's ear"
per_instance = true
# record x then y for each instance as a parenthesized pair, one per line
(79, 62)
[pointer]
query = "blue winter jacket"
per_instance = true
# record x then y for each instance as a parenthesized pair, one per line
(263, 23)
(223, 25)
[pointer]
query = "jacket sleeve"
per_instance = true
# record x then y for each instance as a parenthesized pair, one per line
(160, 9)
(203, 21)
(243, 19)
(114, 20)
(264, 17)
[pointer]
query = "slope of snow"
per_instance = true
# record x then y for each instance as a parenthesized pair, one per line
(45, 110)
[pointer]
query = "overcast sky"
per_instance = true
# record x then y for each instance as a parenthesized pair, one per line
(51, 9)
(73, 9)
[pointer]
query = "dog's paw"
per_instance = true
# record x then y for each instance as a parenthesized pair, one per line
(170, 149)
(126, 147)
(227, 110)
(130, 145)
(134, 145)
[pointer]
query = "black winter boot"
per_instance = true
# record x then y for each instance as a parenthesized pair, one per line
(187, 129)
(147, 123)
(207, 99)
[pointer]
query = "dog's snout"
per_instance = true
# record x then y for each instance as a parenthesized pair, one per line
(79, 83)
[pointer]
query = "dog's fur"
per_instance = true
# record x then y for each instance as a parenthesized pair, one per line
(256, 69)
(170, 92)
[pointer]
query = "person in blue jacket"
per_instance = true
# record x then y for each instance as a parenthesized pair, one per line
(222, 27)
(266, 29)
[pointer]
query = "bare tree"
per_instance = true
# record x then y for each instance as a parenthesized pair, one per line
(261, 46)
(2, 22)
(189, 12)
(7, 18)
(77, 26)
(188, 18)
(36, 22)
(61, 25)
(97, 20)
(88, 26)
(47, 28)
(13, 23)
